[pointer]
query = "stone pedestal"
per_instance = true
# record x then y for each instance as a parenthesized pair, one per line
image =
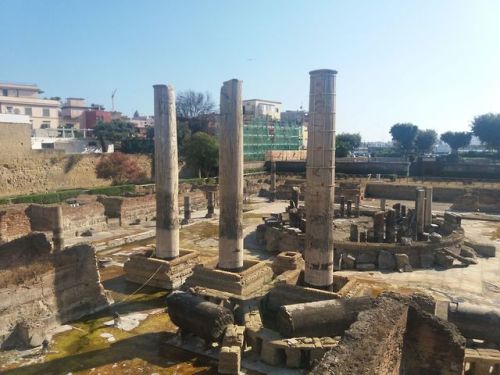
(249, 280)
(160, 273)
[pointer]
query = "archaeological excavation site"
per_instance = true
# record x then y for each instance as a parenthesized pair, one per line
(273, 271)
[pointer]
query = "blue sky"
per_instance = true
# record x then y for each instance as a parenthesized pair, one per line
(433, 63)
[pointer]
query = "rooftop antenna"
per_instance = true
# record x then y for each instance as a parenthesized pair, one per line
(113, 100)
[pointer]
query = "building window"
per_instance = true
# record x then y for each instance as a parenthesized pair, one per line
(28, 111)
(10, 109)
(45, 125)
(5, 92)
(47, 146)
(46, 112)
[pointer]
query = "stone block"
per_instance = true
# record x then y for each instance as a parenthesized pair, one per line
(271, 354)
(435, 237)
(293, 357)
(365, 267)
(483, 249)
(427, 260)
(234, 336)
(229, 360)
(467, 251)
(386, 261)
(367, 257)
(349, 262)
(403, 263)
(443, 260)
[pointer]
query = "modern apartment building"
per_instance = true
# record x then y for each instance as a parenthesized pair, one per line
(24, 99)
(261, 109)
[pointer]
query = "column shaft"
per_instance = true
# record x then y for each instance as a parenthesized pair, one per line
(320, 180)
(231, 177)
(166, 173)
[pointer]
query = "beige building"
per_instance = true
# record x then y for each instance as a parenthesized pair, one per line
(23, 99)
(258, 108)
(71, 111)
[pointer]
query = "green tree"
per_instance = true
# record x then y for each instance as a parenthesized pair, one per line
(345, 143)
(425, 141)
(404, 134)
(136, 113)
(183, 134)
(487, 128)
(114, 131)
(202, 153)
(456, 140)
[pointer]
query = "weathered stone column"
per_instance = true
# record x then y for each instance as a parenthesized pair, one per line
(354, 233)
(428, 207)
(295, 196)
(349, 208)
(166, 172)
(378, 226)
(210, 204)
(342, 206)
(419, 212)
(397, 208)
(382, 204)
(356, 205)
(187, 210)
(231, 177)
(57, 232)
(272, 196)
(320, 180)
(390, 226)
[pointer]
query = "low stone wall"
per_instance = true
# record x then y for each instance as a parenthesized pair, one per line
(130, 209)
(439, 194)
(372, 345)
(40, 289)
(83, 217)
(14, 222)
(430, 344)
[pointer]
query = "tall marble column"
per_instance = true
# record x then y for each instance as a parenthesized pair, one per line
(166, 172)
(231, 177)
(320, 180)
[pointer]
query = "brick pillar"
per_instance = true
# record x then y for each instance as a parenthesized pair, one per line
(272, 196)
(390, 226)
(187, 210)
(420, 212)
(378, 226)
(57, 232)
(349, 208)
(342, 206)
(428, 208)
(210, 204)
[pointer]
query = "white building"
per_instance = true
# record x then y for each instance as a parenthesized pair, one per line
(23, 99)
(71, 112)
(258, 108)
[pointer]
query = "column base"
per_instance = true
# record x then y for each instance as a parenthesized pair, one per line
(167, 274)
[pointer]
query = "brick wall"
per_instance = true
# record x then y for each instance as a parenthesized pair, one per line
(14, 223)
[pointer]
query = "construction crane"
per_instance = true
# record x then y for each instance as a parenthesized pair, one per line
(113, 100)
